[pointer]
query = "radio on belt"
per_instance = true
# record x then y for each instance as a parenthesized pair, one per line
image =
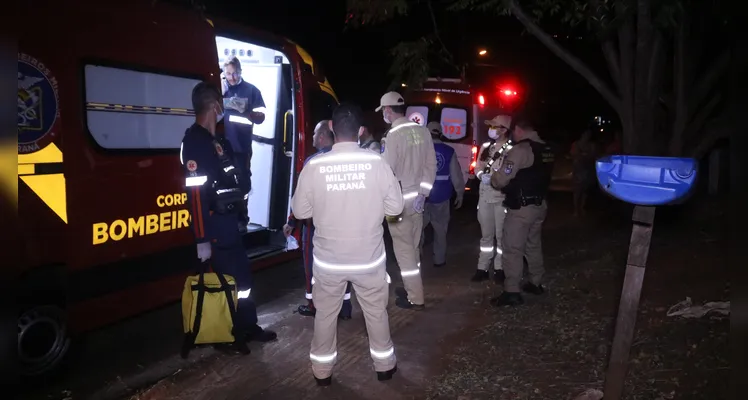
(647, 181)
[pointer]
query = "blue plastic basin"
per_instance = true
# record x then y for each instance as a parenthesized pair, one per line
(648, 181)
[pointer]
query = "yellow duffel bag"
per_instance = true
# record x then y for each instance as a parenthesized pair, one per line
(207, 315)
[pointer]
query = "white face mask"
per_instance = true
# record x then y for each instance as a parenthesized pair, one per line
(493, 133)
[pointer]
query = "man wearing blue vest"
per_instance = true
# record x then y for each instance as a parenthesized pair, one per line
(448, 180)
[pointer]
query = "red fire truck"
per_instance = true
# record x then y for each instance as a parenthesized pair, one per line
(103, 103)
(461, 109)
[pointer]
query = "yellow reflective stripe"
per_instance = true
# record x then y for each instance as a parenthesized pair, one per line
(130, 108)
(26, 169)
(305, 57)
(49, 187)
(325, 87)
(49, 154)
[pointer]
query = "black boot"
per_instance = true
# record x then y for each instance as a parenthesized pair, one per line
(480, 276)
(403, 302)
(324, 382)
(498, 276)
(530, 287)
(346, 310)
(507, 299)
(386, 375)
(261, 335)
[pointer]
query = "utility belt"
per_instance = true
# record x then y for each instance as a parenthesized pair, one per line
(231, 201)
(517, 202)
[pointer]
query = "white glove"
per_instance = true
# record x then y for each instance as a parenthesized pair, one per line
(486, 179)
(419, 203)
(458, 202)
(291, 243)
(203, 251)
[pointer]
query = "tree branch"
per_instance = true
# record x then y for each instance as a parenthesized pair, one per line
(610, 52)
(656, 64)
(575, 63)
(614, 67)
(707, 140)
(709, 79)
(679, 86)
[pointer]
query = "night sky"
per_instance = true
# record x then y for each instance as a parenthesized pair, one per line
(357, 60)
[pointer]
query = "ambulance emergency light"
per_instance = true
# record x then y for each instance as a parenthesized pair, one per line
(647, 181)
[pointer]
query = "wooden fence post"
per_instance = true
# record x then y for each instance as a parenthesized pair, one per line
(641, 235)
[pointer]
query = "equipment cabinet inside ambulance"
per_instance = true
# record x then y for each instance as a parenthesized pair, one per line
(104, 99)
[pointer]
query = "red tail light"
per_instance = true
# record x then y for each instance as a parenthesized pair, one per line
(481, 100)
(474, 151)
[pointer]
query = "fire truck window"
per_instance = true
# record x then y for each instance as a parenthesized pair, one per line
(128, 109)
(454, 123)
(321, 104)
(418, 114)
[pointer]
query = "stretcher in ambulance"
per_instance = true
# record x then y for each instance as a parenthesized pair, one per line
(103, 104)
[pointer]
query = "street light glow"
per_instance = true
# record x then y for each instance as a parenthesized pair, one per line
(483, 52)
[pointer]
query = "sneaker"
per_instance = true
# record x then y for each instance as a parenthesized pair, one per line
(324, 382)
(440, 265)
(480, 276)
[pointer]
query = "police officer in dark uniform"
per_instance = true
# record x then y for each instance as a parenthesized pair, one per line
(215, 189)
(524, 177)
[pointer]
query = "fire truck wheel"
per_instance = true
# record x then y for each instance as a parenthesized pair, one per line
(43, 339)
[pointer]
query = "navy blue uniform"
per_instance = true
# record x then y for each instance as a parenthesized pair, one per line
(238, 127)
(307, 247)
(215, 195)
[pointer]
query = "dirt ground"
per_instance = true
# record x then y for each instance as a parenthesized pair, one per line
(554, 347)
(557, 345)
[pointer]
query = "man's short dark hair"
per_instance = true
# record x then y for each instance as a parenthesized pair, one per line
(203, 96)
(398, 109)
(524, 123)
(346, 120)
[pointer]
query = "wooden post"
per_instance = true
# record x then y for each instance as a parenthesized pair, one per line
(641, 235)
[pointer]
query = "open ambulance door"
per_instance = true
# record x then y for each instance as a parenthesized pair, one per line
(273, 144)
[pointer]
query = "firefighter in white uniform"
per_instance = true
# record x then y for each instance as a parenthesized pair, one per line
(491, 211)
(333, 189)
(408, 148)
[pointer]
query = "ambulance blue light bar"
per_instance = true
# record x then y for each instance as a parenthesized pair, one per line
(647, 181)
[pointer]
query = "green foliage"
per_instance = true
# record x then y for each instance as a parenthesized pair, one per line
(370, 12)
(410, 64)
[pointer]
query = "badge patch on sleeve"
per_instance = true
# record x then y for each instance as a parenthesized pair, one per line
(219, 149)
(381, 147)
(191, 166)
(508, 167)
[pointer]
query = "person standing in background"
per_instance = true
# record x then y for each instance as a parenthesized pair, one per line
(448, 180)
